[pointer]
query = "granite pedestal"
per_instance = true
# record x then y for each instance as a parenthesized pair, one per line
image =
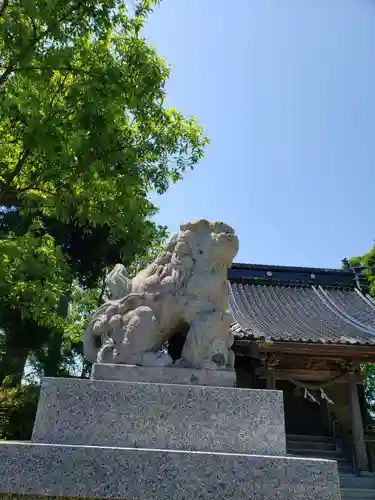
(155, 441)
(163, 375)
(162, 416)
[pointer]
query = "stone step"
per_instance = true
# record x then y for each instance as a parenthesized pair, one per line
(29, 469)
(310, 445)
(357, 487)
(161, 416)
(328, 454)
(345, 467)
(344, 462)
(320, 447)
(306, 437)
(352, 481)
(360, 494)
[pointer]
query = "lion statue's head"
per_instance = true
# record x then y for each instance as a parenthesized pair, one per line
(198, 247)
(213, 242)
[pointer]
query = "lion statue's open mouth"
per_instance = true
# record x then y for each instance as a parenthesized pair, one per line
(186, 285)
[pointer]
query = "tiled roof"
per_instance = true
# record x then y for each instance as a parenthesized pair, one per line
(292, 305)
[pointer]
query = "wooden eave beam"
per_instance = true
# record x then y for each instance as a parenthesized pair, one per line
(254, 348)
(310, 375)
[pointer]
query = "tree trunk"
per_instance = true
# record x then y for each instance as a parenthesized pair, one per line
(12, 364)
(52, 364)
(53, 359)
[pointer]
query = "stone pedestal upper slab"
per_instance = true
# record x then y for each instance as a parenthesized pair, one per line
(163, 416)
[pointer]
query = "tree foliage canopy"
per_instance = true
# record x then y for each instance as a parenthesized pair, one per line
(33, 276)
(85, 136)
(84, 131)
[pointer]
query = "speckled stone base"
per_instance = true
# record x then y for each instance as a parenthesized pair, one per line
(163, 416)
(163, 375)
(156, 441)
(98, 472)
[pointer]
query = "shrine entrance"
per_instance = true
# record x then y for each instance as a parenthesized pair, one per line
(303, 416)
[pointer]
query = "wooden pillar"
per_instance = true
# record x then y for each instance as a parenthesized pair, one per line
(357, 424)
(326, 416)
(271, 378)
(270, 363)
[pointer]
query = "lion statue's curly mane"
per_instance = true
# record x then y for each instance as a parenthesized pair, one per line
(184, 288)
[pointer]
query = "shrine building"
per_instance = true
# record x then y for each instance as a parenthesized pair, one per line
(308, 332)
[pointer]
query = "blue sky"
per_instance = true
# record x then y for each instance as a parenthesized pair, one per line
(286, 92)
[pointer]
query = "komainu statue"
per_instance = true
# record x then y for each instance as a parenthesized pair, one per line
(185, 288)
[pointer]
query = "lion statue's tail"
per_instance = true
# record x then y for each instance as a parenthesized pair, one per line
(118, 283)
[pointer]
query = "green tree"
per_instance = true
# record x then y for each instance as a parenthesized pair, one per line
(84, 130)
(85, 135)
(367, 262)
(17, 411)
(33, 277)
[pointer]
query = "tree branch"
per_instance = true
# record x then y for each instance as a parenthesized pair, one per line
(3, 197)
(4, 77)
(61, 86)
(71, 69)
(13, 64)
(33, 188)
(4, 5)
(21, 160)
(34, 26)
(102, 290)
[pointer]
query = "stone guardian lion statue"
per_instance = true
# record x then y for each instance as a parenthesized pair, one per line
(185, 287)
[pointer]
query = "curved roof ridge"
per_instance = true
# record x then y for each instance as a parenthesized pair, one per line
(367, 298)
(297, 314)
(294, 275)
(345, 316)
(292, 268)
